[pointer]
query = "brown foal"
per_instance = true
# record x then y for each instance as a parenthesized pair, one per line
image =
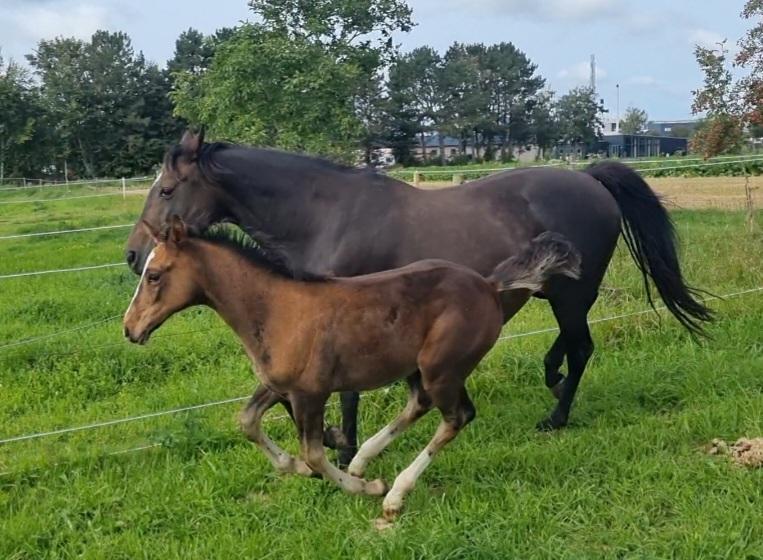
(430, 322)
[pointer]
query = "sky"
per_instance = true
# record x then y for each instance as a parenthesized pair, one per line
(646, 47)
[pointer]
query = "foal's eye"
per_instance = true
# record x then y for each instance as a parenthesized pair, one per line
(165, 192)
(153, 277)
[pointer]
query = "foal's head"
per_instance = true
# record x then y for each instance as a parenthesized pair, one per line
(168, 283)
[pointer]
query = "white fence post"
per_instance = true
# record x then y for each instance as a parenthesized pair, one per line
(124, 188)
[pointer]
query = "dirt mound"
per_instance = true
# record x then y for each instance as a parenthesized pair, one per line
(745, 452)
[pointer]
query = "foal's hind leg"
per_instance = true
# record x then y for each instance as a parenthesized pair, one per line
(456, 413)
(251, 423)
(308, 413)
(418, 404)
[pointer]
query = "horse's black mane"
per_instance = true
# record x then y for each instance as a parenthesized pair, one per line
(208, 163)
(270, 258)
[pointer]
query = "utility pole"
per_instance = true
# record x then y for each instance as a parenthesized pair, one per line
(593, 73)
(618, 107)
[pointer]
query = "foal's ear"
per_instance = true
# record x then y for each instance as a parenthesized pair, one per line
(193, 141)
(153, 233)
(178, 230)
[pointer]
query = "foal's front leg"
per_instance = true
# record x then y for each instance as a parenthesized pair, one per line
(308, 414)
(251, 423)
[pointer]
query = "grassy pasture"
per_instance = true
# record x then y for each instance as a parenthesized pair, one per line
(628, 479)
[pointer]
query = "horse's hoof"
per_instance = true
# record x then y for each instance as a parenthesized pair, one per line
(333, 438)
(376, 487)
(557, 389)
(346, 455)
(549, 425)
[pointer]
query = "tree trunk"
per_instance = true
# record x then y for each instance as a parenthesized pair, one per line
(423, 143)
(442, 147)
(85, 160)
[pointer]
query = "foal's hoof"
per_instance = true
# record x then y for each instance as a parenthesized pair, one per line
(550, 424)
(333, 438)
(376, 487)
(557, 389)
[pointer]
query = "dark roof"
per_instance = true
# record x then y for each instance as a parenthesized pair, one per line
(433, 141)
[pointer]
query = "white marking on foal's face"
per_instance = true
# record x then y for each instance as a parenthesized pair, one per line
(140, 282)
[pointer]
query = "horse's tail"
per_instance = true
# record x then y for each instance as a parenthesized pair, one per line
(651, 239)
(548, 254)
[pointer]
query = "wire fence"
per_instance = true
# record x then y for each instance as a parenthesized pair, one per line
(149, 415)
(40, 184)
(172, 411)
(63, 231)
(722, 160)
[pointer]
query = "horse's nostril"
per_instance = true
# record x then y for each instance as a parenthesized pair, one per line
(130, 256)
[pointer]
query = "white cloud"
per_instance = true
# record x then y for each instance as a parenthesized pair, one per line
(705, 38)
(642, 81)
(26, 23)
(580, 73)
(547, 10)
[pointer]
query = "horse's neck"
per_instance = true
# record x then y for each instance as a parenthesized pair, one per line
(304, 214)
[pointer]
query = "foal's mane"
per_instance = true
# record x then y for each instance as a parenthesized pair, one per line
(270, 258)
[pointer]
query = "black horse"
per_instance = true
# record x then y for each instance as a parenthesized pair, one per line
(333, 220)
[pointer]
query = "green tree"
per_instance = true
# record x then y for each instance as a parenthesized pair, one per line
(416, 91)
(468, 108)
(513, 85)
(634, 121)
(17, 113)
(544, 125)
(750, 57)
(722, 129)
(579, 117)
(298, 78)
(110, 106)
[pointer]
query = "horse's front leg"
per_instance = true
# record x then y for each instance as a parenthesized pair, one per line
(308, 414)
(345, 441)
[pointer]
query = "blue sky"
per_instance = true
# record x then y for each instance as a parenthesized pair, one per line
(645, 46)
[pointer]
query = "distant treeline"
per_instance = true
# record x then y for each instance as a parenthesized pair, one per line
(322, 77)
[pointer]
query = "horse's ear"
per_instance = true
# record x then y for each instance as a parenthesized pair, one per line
(193, 141)
(178, 231)
(153, 233)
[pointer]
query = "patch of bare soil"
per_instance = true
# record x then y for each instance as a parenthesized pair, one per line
(745, 452)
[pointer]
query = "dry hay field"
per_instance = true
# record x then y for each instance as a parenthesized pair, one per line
(691, 193)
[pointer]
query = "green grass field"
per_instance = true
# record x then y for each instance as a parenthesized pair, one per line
(627, 479)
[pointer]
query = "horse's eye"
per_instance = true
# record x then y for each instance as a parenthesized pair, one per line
(165, 192)
(153, 277)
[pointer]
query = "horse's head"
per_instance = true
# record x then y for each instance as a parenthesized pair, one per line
(181, 189)
(167, 285)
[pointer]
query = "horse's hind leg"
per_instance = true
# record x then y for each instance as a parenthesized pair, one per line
(552, 362)
(572, 315)
(456, 413)
(308, 414)
(251, 423)
(418, 404)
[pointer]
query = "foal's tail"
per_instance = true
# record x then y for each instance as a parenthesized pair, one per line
(651, 240)
(548, 254)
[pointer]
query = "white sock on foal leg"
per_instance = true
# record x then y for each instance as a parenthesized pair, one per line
(406, 480)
